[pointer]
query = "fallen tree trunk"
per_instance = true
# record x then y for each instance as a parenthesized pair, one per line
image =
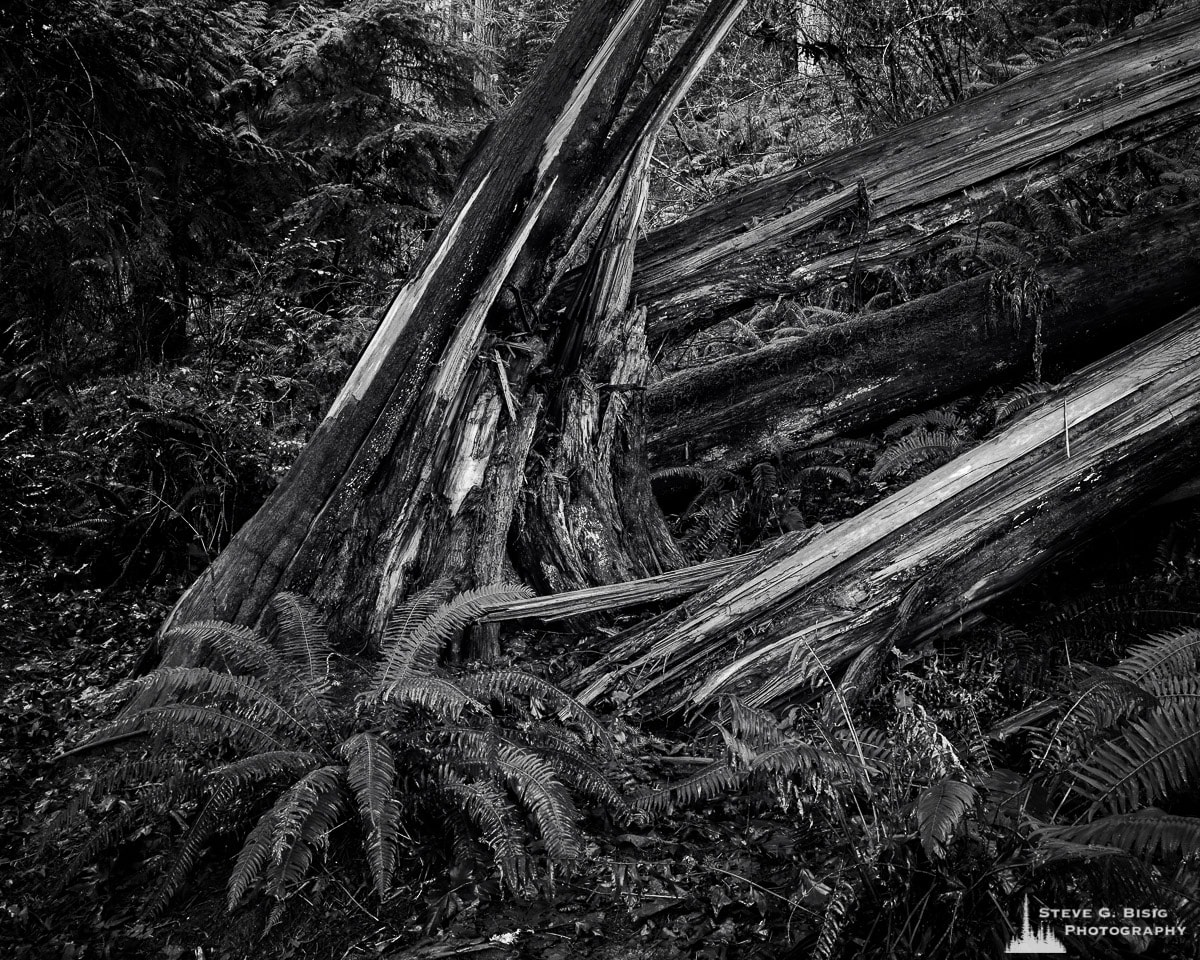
(921, 180)
(853, 376)
(1113, 437)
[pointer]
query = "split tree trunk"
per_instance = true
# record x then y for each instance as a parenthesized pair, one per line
(922, 180)
(1115, 436)
(1101, 290)
(415, 472)
(389, 490)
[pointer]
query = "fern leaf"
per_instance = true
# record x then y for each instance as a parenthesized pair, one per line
(712, 781)
(250, 698)
(183, 722)
(239, 648)
(1020, 397)
(439, 695)
(212, 819)
(418, 651)
(756, 726)
(1147, 834)
(251, 859)
(408, 617)
(946, 419)
(499, 683)
(940, 809)
(302, 638)
(530, 779)
(1170, 654)
(266, 765)
(1157, 756)
(917, 447)
(495, 817)
(371, 774)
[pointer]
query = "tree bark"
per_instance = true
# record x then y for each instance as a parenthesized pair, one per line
(1113, 437)
(386, 492)
(415, 472)
(920, 181)
(1101, 290)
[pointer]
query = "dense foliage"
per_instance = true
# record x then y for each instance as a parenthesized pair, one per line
(202, 208)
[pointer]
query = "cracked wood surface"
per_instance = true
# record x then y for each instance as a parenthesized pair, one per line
(922, 179)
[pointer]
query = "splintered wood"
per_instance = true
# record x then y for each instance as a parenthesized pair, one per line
(936, 551)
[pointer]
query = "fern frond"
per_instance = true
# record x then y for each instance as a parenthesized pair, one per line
(296, 840)
(1170, 654)
(496, 818)
(942, 418)
(212, 819)
(442, 697)
(251, 859)
(408, 616)
(266, 765)
(1157, 756)
(581, 775)
(301, 637)
(105, 835)
(531, 781)
(371, 774)
(795, 756)
(297, 804)
(714, 780)
(185, 722)
(1101, 700)
(705, 475)
(417, 651)
(756, 726)
(1020, 397)
(502, 683)
(840, 474)
(241, 649)
(1147, 834)
(252, 699)
(719, 530)
(940, 809)
(917, 447)
(764, 479)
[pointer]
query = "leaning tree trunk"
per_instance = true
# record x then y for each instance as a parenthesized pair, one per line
(1084, 299)
(415, 472)
(906, 191)
(1114, 436)
(387, 492)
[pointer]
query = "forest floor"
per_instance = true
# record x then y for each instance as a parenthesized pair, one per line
(712, 881)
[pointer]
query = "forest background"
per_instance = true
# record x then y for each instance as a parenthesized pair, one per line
(206, 206)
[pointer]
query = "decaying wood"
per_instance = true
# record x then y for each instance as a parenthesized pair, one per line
(920, 181)
(1114, 436)
(415, 471)
(589, 515)
(1078, 303)
(383, 494)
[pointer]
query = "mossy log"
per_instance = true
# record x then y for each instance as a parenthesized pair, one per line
(1078, 303)
(1113, 437)
(907, 190)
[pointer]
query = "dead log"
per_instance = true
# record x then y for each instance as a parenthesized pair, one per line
(1078, 303)
(1111, 438)
(920, 181)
